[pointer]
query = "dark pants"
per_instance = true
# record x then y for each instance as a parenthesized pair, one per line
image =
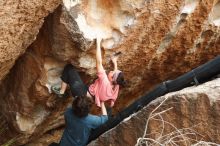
(72, 78)
(54, 144)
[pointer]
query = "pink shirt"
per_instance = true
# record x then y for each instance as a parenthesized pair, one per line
(103, 90)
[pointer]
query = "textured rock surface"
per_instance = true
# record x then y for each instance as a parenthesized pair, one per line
(193, 107)
(33, 75)
(19, 26)
(159, 40)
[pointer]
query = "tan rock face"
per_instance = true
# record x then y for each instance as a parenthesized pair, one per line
(196, 108)
(27, 87)
(20, 23)
(159, 40)
(106, 19)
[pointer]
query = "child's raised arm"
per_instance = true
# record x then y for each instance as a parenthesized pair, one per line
(99, 65)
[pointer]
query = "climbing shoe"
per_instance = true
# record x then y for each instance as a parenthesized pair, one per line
(56, 90)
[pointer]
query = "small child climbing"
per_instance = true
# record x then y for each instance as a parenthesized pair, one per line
(105, 87)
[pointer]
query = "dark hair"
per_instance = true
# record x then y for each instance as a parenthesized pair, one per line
(120, 80)
(81, 106)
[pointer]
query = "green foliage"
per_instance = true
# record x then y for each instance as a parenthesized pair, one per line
(3, 128)
(10, 142)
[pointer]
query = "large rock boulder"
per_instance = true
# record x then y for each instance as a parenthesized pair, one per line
(159, 40)
(20, 24)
